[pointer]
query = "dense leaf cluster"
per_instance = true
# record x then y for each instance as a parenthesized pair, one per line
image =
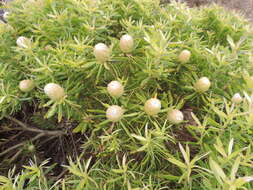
(139, 151)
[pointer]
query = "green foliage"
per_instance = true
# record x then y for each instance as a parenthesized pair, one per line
(210, 150)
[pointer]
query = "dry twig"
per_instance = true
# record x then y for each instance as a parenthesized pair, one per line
(36, 130)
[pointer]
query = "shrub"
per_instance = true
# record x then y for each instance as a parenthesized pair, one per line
(149, 88)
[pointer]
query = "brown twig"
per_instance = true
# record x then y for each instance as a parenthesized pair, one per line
(14, 157)
(10, 139)
(61, 174)
(27, 128)
(47, 139)
(72, 139)
(20, 144)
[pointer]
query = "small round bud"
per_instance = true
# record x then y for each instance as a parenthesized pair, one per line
(126, 43)
(184, 56)
(23, 42)
(101, 52)
(152, 106)
(202, 85)
(26, 85)
(54, 91)
(5, 15)
(31, 148)
(115, 89)
(237, 98)
(114, 113)
(175, 116)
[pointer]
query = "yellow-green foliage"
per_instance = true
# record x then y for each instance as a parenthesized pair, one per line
(140, 151)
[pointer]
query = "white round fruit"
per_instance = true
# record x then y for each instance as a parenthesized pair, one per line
(26, 85)
(152, 106)
(114, 113)
(101, 52)
(54, 91)
(115, 89)
(5, 15)
(23, 42)
(202, 85)
(184, 56)
(237, 98)
(175, 116)
(126, 43)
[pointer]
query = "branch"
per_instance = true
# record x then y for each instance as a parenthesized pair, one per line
(28, 128)
(20, 144)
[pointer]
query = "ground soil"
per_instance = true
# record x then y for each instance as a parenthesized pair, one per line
(245, 7)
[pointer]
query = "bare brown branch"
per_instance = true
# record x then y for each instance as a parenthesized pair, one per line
(36, 130)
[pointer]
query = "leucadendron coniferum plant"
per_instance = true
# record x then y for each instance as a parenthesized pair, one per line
(160, 93)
